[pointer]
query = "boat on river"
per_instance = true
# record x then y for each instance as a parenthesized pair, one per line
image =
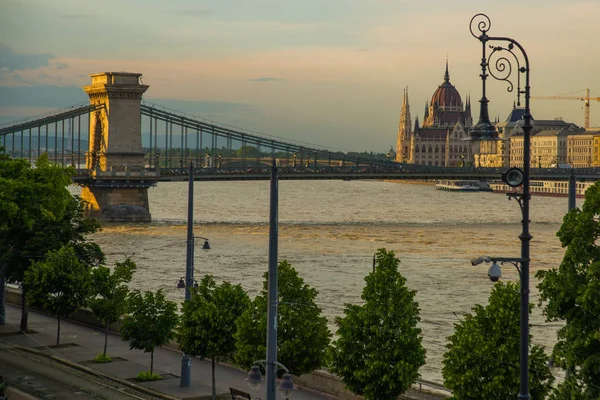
(544, 188)
(462, 186)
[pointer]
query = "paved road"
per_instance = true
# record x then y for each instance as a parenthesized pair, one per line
(43, 377)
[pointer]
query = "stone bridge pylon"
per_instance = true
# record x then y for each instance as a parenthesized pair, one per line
(117, 190)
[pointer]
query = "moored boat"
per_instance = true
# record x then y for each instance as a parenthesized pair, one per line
(544, 188)
(462, 185)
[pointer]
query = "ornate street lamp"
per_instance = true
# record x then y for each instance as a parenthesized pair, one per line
(501, 69)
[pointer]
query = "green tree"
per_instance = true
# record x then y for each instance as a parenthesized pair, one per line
(572, 295)
(38, 215)
(108, 302)
(379, 350)
(150, 322)
(302, 333)
(60, 284)
(482, 360)
(207, 325)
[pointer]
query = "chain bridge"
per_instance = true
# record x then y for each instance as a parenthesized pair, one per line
(121, 145)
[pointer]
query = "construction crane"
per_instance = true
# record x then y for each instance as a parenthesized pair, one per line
(586, 99)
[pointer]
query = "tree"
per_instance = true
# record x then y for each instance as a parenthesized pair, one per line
(379, 350)
(38, 215)
(572, 295)
(302, 333)
(482, 360)
(60, 284)
(150, 323)
(108, 302)
(207, 326)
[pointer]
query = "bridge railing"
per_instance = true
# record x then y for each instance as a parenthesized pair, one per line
(127, 173)
(392, 168)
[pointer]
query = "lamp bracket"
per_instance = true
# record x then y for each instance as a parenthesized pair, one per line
(514, 261)
(263, 363)
(518, 197)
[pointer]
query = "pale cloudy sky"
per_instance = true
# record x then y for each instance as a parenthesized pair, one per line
(329, 72)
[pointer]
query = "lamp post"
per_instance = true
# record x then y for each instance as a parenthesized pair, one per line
(190, 282)
(255, 378)
(502, 70)
(271, 361)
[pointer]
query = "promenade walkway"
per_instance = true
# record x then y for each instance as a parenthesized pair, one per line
(80, 344)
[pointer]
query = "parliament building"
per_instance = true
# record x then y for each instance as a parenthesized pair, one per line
(442, 139)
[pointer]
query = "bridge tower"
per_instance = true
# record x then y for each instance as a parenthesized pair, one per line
(118, 186)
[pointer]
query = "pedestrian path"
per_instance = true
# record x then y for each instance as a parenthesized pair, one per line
(80, 344)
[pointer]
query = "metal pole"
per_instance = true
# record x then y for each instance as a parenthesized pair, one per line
(2, 301)
(186, 361)
(572, 189)
(272, 312)
(525, 241)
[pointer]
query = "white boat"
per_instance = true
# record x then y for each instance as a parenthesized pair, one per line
(462, 186)
(544, 188)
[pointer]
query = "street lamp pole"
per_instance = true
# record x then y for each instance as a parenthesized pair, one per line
(186, 361)
(272, 286)
(479, 26)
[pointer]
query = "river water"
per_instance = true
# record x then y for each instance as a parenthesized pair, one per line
(329, 230)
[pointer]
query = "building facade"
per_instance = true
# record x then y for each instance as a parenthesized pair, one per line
(580, 149)
(441, 140)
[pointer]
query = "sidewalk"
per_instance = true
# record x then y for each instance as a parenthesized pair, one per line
(82, 344)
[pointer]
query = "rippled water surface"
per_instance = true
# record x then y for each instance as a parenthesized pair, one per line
(329, 231)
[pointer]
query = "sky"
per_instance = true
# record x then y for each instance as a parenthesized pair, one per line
(326, 72)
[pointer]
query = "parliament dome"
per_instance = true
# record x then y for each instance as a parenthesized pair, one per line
(446, 97)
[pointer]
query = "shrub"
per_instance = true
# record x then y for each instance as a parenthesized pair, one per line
(101, 359)
(148, 376)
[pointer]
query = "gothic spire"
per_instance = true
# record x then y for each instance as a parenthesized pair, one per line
(404, 129)
(446, 75)
(426, 114)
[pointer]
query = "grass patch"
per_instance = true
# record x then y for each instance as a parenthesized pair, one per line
(101, 359)
(147, 377)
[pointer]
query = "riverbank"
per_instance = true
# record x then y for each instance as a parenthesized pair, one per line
(84, 332)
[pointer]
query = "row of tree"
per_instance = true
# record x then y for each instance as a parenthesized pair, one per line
(378, 350)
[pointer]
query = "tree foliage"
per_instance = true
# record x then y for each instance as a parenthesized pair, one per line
(572, 295)
(27, 194)
(302, 333)
(207, 325)
(60, 285)
(110, 291)
(150, 322)
(379, 350)
(482, 360)
(38, 215)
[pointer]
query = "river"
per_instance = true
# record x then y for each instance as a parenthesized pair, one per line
(329, 230)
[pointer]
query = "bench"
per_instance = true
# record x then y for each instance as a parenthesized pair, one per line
(239, 395)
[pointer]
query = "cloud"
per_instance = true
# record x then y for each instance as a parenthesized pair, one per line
(193, 13)
(11, 60)
(77, 16)
(266, 79)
